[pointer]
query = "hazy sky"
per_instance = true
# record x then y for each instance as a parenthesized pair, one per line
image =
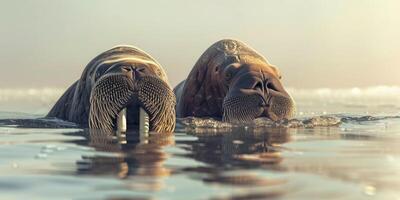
(315, 43)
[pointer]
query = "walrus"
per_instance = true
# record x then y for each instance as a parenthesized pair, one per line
(123, 78)
(234, 82)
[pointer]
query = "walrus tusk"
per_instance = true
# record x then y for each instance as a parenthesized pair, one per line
(144, 124)
(121, 121)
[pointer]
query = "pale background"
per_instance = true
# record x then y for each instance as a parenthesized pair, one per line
(315, 43)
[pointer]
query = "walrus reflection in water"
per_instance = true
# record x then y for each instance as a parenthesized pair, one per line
(132, 158)
(232, 150)
(123, 77)
(233, 82)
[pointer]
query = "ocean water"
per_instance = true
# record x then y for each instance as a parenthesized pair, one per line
(343, 144)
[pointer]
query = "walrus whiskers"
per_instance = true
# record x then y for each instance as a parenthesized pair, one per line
(159, 101)
(110, 94)
(240, 108)
(113, 92)
(278, 105)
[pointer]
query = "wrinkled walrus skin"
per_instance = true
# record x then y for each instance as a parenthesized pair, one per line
(233, 82)
(122, 77)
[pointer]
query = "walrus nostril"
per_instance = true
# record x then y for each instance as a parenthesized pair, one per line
(269, 85)
(259, 86)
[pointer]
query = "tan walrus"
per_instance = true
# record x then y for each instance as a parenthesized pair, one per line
(123, 78)
(233, 82)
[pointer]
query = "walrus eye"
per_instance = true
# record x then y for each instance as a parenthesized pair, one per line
(126, 68)
(158, 72)
(228, 76)
(141, 69)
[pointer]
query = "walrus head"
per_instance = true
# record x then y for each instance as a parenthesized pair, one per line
(232, 81)
(131, 86)
(254, 90)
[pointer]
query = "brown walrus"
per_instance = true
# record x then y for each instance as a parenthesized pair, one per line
(233, 82)
(122, 78)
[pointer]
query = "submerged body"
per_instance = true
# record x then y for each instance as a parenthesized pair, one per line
(123, 77)
(233, 82)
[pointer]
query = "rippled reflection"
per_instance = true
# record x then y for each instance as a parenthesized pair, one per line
(229, 156)
(132, 157)
(206, 159)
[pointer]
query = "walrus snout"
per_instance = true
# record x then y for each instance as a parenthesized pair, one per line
(255, 95)
(126, 92)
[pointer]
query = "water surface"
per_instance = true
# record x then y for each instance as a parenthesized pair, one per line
(342, 145)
